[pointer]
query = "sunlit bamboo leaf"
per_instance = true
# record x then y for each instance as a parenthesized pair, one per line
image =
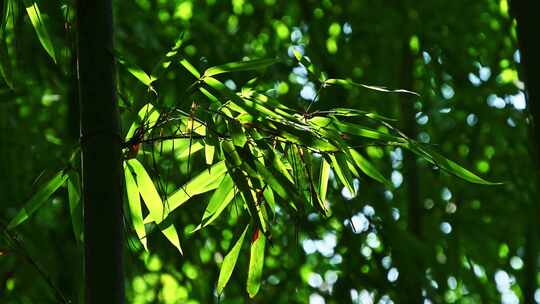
(218, 202)
(339, 164)
(207, 180)
(366, 167)
(348, 83)
(147, 116)
(186, 64)
(209, 151)
(75, 206)
(148, 191)
(229, 262)
(134, 202)
(38, 199)
(38, 22)
(166, 61)
(323, 179)
(448, 165)
(239, 66)
(172, 235)
(256, 262)
(136, 71)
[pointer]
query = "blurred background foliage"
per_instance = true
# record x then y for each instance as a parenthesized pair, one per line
(434, 236)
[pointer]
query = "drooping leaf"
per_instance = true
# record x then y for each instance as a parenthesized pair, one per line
(207, 180)
(368, 168)
(448, 165)
(256, 262)
(341, 169)
(148, 116)
(148, 191)
(323, 179)
(75, 206)
(38, 199)
(209, 151)
(229, 262)
(38, 22)
(5, 64)
(136, 71)
(172, 235)
(134, 202)
(237, 134)
(186, 64)
(218, 202)
(348, 83)
(239, 66)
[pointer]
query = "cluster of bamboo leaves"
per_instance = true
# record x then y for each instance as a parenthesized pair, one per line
(259, 150)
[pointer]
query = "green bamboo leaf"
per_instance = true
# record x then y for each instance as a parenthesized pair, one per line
(229, 262)
(38, 199)
(239, 66)
(5, 64)
(134, 202)
(339, 164)
(186, 64)
(218, 202)
(38, 22)
(209, 151)
(148, 191)
(323, 179)
(348, 83)
(238, 136)
(171, 55)
(148, 116)
(75, 206)
(172, 235)
(207, 180)
(256, 262)
(135, 70)
(366, 167)
(448, 165)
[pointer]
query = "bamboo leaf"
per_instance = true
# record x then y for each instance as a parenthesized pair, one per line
(448, 165)
(136, 71)
(366, 167)
(38, 22)
(38, 199)
(207, 180)
(323, 180)
(218, 202)
(172, 235)
(348, 83)
(134, 202)
(5, 64)
(75, 206)
(229, 262)
(209, 151)
(148, 116)
(341, 169)
(239, 66)
(148, 191)
(186, 64)
(256, 262)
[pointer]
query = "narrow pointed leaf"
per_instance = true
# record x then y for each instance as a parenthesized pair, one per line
(339, 165)
(366, 167)
(75, 206)
(229, 262)
(219, 201)
(256, 262)
(134, 202)
(136, 71)
(172, 235)
(239, 66)
(148, 191)
(38, 22)
(38, 199)
(186, 64)
(348, 83)
(209, 151)
(450, 166)
(323, 180)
